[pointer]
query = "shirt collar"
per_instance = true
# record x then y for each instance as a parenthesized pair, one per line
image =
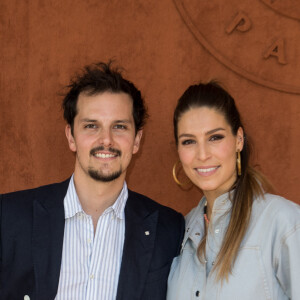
(223, 203)
(195, 225)
(72, 204)
(119, 205)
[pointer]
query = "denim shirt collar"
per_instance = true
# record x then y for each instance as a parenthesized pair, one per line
(195, 220)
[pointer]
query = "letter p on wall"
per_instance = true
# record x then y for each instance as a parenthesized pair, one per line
(241, 22)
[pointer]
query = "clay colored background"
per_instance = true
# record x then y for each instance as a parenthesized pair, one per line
(43, 43)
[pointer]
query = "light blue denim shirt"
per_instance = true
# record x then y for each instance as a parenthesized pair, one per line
(268, 263)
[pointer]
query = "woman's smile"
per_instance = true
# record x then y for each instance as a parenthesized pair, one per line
(207, 171)
(207, 149)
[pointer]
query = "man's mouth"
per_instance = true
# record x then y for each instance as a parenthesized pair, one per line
(101, 152)
(103, 155)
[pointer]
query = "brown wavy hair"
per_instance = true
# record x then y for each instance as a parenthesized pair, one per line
(99, 78)
(249, 184)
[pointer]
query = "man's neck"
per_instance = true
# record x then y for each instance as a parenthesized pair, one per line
(96, 196)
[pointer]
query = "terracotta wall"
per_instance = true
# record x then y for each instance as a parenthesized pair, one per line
(252, 47)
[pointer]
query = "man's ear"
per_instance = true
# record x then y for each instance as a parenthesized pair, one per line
(70, 138)
(240, 139)
(137, 141)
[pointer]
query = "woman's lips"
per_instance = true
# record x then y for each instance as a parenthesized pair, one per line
(207, 171)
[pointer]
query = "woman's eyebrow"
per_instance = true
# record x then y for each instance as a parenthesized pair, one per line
(214, 130)
(186, 135)
(207, 133)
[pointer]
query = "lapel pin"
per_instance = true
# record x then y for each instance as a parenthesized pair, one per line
(147, 232)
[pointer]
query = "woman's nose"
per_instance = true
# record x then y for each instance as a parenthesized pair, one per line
(203, 152)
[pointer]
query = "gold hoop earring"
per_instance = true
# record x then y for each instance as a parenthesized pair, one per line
(239, 163)
(174, 173)
(175, 176)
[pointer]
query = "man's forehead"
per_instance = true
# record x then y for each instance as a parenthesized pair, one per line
(104, 95)
(119, 104)
(88, 120)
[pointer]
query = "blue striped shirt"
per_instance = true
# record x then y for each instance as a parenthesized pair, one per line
(91, 263)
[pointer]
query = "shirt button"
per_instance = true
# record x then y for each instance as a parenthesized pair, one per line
(197, 294)
(91, 276)
(217, 230)
(89, 241)
(26, 297)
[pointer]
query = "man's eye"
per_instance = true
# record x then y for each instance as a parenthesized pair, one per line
(92, 126)
(187, 142)
(120, 126)
(216, 137)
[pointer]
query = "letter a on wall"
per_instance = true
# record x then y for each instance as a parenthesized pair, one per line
(277, 50)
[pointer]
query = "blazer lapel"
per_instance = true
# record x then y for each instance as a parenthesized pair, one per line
(140, 232)
(48, 231)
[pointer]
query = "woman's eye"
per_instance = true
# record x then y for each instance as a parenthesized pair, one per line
(216, 137)
(187, 142)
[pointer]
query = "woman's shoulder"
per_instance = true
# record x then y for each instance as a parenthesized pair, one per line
(277, 203)
(277, 208)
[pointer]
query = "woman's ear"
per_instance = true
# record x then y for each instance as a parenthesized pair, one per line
(240, 139)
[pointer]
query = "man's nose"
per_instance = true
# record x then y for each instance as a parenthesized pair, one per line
(105, 138)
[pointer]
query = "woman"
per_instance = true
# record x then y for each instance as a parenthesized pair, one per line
(241, 242)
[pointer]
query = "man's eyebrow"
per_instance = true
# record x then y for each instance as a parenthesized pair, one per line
(123, 121)
(88, 120)
(115, 121)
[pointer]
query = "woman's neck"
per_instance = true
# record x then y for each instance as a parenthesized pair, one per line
(211, 197)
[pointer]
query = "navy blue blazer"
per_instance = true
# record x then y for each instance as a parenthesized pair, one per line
(31, 240)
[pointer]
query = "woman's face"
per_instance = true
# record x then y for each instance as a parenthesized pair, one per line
(207, 150)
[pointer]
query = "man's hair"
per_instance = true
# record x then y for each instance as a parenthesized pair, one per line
(99, 78)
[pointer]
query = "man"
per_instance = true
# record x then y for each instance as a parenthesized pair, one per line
(90, 237)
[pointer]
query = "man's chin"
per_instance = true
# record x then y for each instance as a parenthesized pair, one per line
(99, 176)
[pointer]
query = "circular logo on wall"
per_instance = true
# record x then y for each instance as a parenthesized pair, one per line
(257, 39)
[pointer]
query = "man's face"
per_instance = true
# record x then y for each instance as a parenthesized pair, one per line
(104, 136)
